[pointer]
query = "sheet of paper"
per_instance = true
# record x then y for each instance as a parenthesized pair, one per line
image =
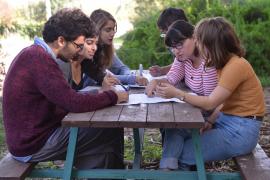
(143, 98)
(90, 88)
(136, 86)
(120, 88)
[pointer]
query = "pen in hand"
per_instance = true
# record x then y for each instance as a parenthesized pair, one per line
(126, 89)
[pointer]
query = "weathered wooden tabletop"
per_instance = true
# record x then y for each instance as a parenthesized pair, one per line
(160, 115)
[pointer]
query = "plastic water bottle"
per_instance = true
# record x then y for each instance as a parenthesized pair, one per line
(141, 69)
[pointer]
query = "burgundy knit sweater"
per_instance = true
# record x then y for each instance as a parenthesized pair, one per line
(36, 97)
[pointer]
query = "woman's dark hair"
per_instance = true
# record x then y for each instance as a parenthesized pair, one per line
(69, 23)
(178, 32)
(95, 30)
(104, 54)
(218, 41)
(168, 16)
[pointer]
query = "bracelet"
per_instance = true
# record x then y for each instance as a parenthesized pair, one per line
(210, 122)
(182, 98)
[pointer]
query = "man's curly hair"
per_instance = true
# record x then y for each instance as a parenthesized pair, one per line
(69, 23)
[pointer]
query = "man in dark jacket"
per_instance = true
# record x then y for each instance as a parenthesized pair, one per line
(36, 97)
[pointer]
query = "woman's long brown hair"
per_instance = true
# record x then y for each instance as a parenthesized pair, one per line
(217, 41)
(104, 55)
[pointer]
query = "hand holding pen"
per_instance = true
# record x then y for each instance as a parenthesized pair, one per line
(109, 81)
(124, 87)
(151, 88)
(108, 84)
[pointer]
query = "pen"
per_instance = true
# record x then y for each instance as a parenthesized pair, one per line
(126, 89)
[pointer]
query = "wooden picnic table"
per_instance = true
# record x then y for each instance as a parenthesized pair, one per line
(160, 115)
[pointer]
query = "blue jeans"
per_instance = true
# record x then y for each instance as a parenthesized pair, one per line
(231, 136)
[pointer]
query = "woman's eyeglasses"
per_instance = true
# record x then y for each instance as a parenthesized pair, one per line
(178, 45)
(78, 46)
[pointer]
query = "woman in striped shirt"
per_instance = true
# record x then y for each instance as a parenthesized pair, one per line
(202, 80)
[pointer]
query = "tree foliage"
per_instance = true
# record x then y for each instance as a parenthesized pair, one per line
(27, 20)
(6, 19)
(249, 17)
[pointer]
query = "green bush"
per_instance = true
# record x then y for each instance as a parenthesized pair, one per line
(250, 19)
(144, 45)
(31, 29)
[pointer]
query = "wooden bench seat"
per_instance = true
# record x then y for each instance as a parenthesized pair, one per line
(254, 166)
(12, 169)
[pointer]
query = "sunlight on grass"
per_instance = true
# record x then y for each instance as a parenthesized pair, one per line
(151, 148)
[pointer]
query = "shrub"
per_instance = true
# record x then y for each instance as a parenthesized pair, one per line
(144, 45)
(251, 20)
(31, 29)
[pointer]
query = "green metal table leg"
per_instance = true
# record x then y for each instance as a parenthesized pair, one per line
(138, 140)
(70, 153)
(198, 155)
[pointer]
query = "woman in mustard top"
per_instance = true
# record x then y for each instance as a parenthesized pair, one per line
(236, 130)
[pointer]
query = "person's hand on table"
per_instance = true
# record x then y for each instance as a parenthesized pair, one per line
(151, 88)
(155, 70)
(122, 96)
(142, 81)
(166, 90)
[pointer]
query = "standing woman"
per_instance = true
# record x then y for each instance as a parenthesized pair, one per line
(236, 130)
(105, 57)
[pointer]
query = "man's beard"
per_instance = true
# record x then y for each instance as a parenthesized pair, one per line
(63, 58)
(66, 56)
(76, 57)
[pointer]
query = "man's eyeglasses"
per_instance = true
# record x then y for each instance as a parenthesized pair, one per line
(78, 46)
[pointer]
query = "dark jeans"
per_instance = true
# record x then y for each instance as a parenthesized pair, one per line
(96, 148)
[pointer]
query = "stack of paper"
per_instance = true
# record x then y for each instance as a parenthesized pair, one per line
(143, 98)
